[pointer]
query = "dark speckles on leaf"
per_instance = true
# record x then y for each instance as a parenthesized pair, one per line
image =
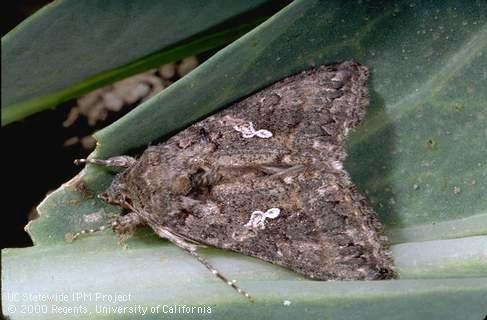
(431, 144)
(458, 108)
(81, 188)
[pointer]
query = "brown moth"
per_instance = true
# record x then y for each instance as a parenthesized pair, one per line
(265, 178)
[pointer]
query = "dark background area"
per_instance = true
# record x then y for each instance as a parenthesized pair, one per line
(15, 11)
(36, 160)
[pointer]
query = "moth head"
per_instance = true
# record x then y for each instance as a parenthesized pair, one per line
(116, 192)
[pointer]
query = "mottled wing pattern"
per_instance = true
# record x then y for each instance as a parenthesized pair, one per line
(283, 148)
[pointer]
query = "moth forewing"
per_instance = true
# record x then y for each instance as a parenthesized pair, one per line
(265, 177)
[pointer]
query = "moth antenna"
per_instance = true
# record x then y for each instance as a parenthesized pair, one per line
(192, 249)
(217, 273)
(120, 162)
(70, 237)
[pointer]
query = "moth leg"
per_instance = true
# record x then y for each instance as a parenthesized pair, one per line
(125, 226)
(192, 249)
(70, 237)
(118, 162)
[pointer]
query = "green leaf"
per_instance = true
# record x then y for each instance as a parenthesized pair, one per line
(156, 274)
(55, 56)
(419, 156)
